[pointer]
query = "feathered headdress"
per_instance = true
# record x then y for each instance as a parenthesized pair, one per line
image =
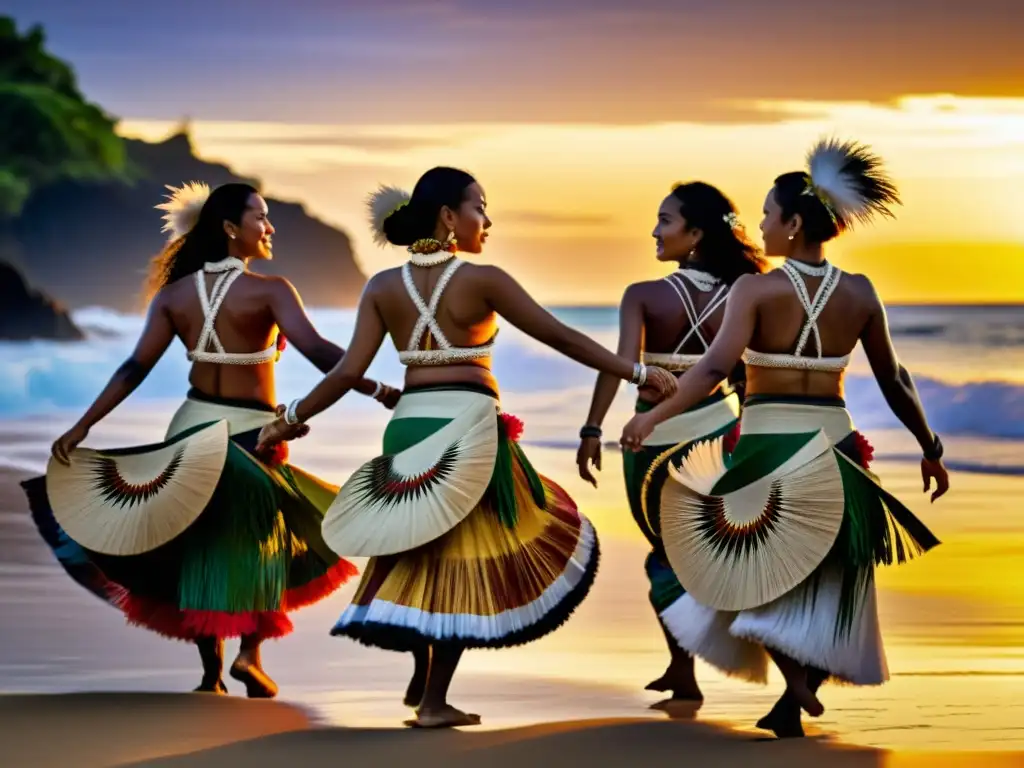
(381, 204)
(181, 211)
(849, 179)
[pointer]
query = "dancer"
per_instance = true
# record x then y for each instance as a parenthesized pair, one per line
(776, 546)
(670, 322)
(470, 547)
(199, 538)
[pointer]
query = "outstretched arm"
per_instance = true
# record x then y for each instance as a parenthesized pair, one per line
(716, 364)
(511, 301)
(291, 318)
(899, 391)
(631, 331)
(157, 335)
(893, 379)
(366, 340)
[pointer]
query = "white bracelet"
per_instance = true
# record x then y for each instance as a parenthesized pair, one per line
(290, 416)
(377, 390)
(639, 374)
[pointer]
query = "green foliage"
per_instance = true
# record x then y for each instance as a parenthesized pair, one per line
(48, 131)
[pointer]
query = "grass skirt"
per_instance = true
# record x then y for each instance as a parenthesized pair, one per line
(253, 554)
(509, 571)
(645, 472)
(830, 620)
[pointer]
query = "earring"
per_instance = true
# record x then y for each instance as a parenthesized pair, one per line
(232, 236)
(790, 237)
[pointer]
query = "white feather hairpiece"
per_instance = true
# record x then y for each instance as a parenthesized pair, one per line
(849, 179)
(181, 211)
(381, 204)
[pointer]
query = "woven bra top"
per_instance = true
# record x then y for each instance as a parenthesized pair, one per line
(676, 361)
(445, 353)
(813, 309)
(227, 271)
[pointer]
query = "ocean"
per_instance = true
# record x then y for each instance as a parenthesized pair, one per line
(953, 620)
(968, 363)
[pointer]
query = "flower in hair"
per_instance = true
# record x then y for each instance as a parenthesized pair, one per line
(733, 220)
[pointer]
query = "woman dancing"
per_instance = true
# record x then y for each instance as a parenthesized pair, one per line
(199, 538)
(776, 545)
(470, 547)
(670, 322)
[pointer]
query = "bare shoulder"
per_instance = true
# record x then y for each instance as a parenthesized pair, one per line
(486, 275)
(383, 280)
(272, 287)
(862, 286)
(753, 286)
(641, 292)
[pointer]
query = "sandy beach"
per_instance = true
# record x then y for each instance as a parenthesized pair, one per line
(191, 730)
(69, 666)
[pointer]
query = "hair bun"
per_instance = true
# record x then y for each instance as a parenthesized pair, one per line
(383, 205)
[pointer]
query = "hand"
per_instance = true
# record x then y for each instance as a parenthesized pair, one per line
(281, 410)
(637, 430)
(934, 470)
(66, 443)
(589, 453)
(663, 382)
(278, 431)
(388, 396)
(649, 394)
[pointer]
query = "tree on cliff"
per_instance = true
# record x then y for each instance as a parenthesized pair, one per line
(48, 131)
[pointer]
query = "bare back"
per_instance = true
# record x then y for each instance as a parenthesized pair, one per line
(666, 325)
(245, 323)
(463, 313)
(780, 318)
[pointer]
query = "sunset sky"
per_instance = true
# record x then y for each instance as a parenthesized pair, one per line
(577, 116)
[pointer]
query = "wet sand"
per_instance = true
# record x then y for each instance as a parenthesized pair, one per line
(192, 731)
(81, 688)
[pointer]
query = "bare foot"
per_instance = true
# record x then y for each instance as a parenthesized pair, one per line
(414, 693)
(442, 717)
(808, 702)
(216, 687)
(784, 719)
(682, 689)
(258, 684)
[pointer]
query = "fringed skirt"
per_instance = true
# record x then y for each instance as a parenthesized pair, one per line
(470, 545)
(645, 472)
(777, 545)
(195, 536)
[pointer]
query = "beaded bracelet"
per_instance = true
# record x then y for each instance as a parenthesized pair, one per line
(936, 451)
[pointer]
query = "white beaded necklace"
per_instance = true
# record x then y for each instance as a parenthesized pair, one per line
(430, 259)
(811, 270)
(702, 281)
(229, 264)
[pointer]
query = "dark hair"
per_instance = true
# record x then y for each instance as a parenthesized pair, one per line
(437, 188)
(206, 241)
(819, 224)
(723, 250)
(855, 184)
